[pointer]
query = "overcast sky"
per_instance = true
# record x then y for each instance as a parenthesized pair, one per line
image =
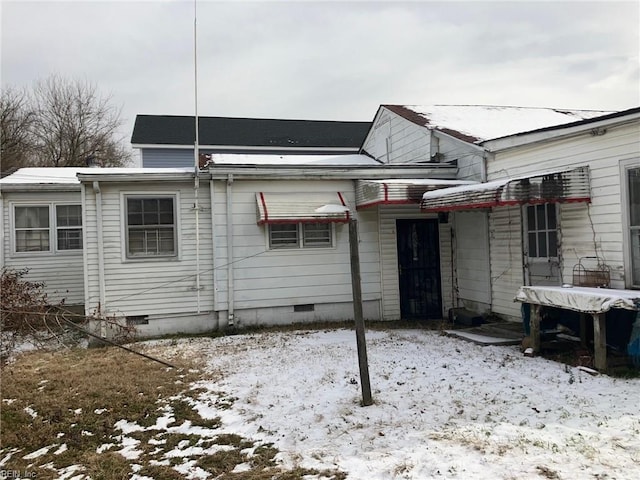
(329, 60)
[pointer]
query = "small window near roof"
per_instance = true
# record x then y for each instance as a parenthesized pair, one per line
(300, 235)
(316, 234)
(283, 236)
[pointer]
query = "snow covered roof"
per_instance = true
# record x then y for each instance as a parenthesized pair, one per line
(67, 177)
(266, 159)
(42, 175)
(477, 123)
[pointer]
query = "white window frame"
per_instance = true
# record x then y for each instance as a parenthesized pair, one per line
(537, 231)
(58, 228)
(625, 167)
(300, 244)
(126, 257)
(52, 228)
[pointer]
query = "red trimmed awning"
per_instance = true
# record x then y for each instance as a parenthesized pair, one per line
(370, 193)
(549, 187)
(303, 207)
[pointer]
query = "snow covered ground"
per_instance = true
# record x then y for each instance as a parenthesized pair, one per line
(444, 408)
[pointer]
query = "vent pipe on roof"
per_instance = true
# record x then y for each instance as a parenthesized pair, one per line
(92, 162)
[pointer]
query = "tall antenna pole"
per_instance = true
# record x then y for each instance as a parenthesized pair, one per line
(195, 82)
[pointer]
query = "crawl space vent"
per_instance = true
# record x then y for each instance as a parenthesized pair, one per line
(304, 308)
(137, 320)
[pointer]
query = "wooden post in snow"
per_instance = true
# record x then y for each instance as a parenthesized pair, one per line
(357, 313)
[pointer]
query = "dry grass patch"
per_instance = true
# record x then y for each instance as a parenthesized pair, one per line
(75, 397)
(60, 410)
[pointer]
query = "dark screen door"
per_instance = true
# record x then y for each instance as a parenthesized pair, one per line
(419, 269)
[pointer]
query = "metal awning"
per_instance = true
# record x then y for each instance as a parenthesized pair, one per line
(370, 193)
(564, 186)
(304, 207)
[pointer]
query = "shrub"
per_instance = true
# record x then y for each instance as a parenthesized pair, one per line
(26, 315)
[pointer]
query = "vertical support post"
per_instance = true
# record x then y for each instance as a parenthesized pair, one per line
(600, 341)
(534, 326)
(583, 329)
(357, 313)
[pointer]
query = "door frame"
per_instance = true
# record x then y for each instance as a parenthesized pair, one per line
(437, 262)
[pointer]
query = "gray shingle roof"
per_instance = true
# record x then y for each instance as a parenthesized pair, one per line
(253, 132)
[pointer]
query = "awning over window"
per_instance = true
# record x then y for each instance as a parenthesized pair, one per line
(301, 208)
(370, 193)
(548, 187)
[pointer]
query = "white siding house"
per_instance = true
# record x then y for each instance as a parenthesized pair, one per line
(546, 237)
(266, 251)
(146, 258)
(601, 228)
(262, 239)
(41, 230)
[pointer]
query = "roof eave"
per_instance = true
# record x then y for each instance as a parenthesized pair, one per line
(244, 148)
(138, 177)
(39, 187)
(592, 125)
(331, 172)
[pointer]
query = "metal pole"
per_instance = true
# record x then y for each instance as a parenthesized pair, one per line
(357, 313)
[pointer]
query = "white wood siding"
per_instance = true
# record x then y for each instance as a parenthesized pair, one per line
(506, 259)
(274, 278)
(407, 141)
(472, 260)
(149, 286)
(586, 230)
(469, 159)
(60, 271)
(389, 258)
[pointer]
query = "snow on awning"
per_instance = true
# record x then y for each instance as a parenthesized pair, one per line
(549, 187)
(301, 208)
(370, 193)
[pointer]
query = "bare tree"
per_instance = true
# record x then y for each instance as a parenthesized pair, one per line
(60, 123)
(73, 121)
(16, 121)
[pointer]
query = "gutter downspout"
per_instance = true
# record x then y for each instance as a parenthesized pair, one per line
(2, 244)
(101, 280)
(230, 285)
(196, 207)
(213, 253)
(486, 157)
(85, 253)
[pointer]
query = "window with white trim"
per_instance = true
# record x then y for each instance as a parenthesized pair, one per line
(36, 230)
(150, 226)
(32, 231)
(300, 235)
(633, 185)
(542, 230)
(69, 227)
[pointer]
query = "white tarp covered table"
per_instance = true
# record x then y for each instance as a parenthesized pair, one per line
(580, 299)
(593, 301)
